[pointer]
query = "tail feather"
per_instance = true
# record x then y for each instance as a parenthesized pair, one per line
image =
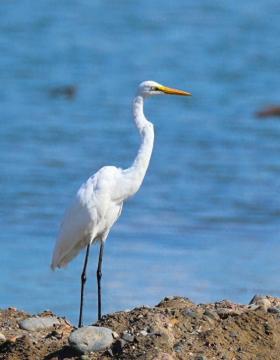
(61, 260)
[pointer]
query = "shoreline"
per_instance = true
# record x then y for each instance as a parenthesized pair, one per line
(174, 329)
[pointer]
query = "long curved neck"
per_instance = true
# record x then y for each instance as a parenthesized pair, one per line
(146, 130)
(136, 173)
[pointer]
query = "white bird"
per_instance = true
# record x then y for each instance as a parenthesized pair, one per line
(99, 201)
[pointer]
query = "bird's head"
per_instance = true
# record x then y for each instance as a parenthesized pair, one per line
(150, 88)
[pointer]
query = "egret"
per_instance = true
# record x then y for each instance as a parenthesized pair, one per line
(99, 201)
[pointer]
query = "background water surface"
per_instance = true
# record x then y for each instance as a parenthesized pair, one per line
(205, 224)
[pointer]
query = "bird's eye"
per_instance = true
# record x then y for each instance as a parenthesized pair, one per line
(154, 88)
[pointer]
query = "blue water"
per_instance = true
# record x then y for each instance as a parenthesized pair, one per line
(205, 223)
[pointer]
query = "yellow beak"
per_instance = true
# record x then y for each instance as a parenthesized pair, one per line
(170, 91)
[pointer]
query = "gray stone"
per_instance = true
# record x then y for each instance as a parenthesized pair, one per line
(233, 335)
(211, 314)
(2, 337)
(128, 337)
(200, 357)
(178, 347)
(224, 313)
(91, 338)
(121, 343)
(39, 323)
(190, 313)
(274, 310)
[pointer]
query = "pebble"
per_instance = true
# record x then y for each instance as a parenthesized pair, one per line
(38, 323)
(144, 332)
(85, 357)
(224, 357)
(2, 337)
(190, 313)
(163, 356)
(225, 313)
(233, 335)
(211, 314)
(128, 337)
(200, 357)
(268, 329)
(178, 348)
(91, 338)
(261, 302)
(265, 304)
(274, 309)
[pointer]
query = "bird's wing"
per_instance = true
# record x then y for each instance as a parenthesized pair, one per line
(91, 214)
(78, 225)
(74, 234)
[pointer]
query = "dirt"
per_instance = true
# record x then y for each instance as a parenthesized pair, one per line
(174, 329)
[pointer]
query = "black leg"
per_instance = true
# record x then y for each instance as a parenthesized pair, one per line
(83, 281)
(99, 276)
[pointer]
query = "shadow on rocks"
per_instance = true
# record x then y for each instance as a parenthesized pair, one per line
(64, 353)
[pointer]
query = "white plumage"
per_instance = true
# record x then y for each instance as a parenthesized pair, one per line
(98, 202)
(91, 215)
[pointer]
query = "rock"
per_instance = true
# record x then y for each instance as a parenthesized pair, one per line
(178, 347)
(264, 304)
(91, 338)
(224, 357)
(224, 313)
(110, 353)
(128, 337)
(233, 335)
(67, 91)
(200, 357)
(55, 334)
(85, 357)
(163, 356)
(268, 329)
(211, 314)
(261, 301)
(38, 323)
(269, 111)
(115, 335)
(121, 343)
(190, 313)
(274, 309)
(2, 338)
(12, 308)
(253, 307)
(143, 332)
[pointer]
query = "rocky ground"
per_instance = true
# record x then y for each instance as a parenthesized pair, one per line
(174, 329)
